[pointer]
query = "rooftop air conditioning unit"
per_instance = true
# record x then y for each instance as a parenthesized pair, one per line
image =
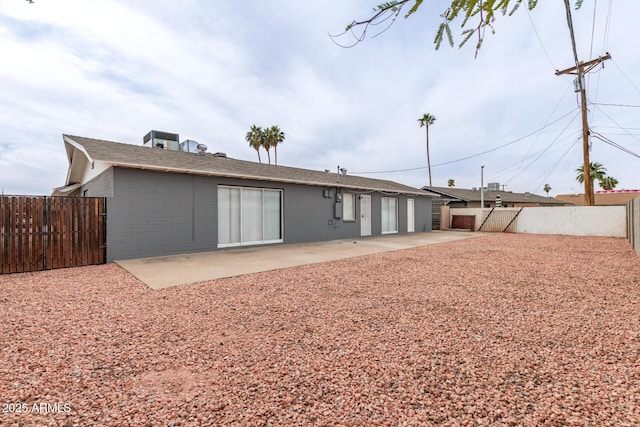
(163, 140)
(494, 186)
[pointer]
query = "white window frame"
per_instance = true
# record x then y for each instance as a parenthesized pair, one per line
(348, 215)
(254, 242)
(390, 230)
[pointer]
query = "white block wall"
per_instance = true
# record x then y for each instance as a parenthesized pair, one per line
(609, 221)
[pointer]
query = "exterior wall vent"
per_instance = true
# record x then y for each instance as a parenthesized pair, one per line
(163, 140)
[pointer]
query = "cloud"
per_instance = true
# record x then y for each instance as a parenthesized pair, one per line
(209, 70)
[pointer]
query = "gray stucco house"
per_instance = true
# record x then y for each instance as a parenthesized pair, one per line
(163, 200)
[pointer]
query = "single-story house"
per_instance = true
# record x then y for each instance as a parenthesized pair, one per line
(602, 197)
(471, 198)
(163, 199)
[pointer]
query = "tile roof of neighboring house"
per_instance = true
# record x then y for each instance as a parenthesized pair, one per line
(140, 157)
(470, 195)
(604, 198)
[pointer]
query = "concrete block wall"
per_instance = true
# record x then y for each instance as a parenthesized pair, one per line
(607, 221)
(610, 221)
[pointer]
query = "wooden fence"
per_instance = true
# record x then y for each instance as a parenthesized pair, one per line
(43, 233)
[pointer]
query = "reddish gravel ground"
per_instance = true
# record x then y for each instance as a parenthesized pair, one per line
(498, 330)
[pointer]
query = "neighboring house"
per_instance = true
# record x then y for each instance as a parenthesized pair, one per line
(603, 197)
(163, 201)
(471, 198)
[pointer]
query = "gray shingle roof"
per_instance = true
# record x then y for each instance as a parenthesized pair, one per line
(506, 196)
(140, 157)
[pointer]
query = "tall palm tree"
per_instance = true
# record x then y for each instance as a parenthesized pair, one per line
(608, 183)
(276, 137)
(596, 171)
(268, 139)
(546, 189)
(255, 137)
(451, 183)
(425, 121)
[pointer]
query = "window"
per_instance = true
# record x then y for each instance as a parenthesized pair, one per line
(389, 215)
(249, 216)
(348, 207)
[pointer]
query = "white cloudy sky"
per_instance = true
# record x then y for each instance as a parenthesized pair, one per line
(209, 70)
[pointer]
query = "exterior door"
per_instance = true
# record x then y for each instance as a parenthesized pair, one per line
(365, 215)
(411, 217)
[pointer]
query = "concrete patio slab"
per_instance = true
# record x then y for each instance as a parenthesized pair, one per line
(166, 271)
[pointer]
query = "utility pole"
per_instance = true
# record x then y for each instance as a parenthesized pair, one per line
(580, 69)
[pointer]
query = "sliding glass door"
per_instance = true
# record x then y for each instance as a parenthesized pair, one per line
(389, 215)
(249, 216)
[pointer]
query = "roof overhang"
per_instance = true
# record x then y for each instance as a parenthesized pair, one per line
(421, 193)
(65, 190)
(75, 167)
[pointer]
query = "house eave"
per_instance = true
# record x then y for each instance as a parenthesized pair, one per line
(269, 179)
(66, 189)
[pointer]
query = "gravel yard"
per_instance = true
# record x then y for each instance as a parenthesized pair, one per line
(498, 330)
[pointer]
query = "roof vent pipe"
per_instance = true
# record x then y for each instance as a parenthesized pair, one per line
(201, 149)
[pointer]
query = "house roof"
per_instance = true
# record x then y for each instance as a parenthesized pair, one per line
(470, 195)
(602, 198)
(140, 157)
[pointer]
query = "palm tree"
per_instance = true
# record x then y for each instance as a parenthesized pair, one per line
(546, 189)
(276, 137)
(451, 183)
(425, 121)
(268, 140)
(597, 171)
(255, 138)
(608, 183)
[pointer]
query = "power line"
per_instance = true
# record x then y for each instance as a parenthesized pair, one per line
(474, 155)
(625, 75)
(519, 162)
(535, 30)
(616, 127)
(544, 151)
(619, 125)
(614, 144)
(550, 170)
(616, 105)
(593, 27)
(549, 118)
